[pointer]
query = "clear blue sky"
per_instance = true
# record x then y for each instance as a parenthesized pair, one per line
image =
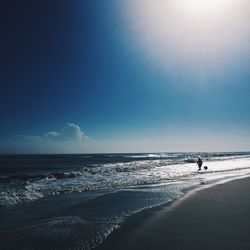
(109, 76)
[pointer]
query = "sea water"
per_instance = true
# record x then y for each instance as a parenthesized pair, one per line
(76, 201)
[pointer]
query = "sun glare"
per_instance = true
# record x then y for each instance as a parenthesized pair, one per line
(189, 35)
(205, 6)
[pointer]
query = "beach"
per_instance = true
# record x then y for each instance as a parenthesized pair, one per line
(210, 218)
(124, 200)
(125, 125)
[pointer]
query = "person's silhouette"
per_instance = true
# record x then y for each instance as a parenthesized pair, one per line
(199, 162)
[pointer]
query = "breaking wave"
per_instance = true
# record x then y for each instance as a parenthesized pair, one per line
(151, 169)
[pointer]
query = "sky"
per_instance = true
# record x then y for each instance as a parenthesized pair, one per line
(124, 76)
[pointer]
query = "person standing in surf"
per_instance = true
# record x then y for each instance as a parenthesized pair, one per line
(199, 163)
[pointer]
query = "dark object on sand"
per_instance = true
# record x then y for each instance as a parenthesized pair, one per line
(205, 167)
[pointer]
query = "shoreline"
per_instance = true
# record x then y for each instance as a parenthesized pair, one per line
(177, 224)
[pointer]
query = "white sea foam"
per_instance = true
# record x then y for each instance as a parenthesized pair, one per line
(120, 175)
(14, 196)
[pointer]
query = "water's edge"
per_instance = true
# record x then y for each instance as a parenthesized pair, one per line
(137, 219)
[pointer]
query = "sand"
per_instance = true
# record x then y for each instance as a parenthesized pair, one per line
(214, 218)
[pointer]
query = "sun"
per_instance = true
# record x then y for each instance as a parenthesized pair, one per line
(190, 37)
(204, 7)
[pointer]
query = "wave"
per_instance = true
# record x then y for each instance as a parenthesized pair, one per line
(14, 196)
(85, 171)
(18, 188)
(118, 167)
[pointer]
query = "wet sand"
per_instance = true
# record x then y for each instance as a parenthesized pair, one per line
(214, 218)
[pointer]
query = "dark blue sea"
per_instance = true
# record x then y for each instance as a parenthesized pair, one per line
(76, 201)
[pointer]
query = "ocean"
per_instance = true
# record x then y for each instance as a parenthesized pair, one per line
(76, 201)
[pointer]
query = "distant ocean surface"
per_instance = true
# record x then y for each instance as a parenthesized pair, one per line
(76, 201)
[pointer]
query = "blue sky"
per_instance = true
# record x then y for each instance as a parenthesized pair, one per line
(125, 75)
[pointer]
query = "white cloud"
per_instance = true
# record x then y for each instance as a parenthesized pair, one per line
(71, 132)
(52, 134)
(76, 131)
(69, 139)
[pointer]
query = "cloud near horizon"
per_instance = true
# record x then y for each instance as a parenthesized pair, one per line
(69, 139)
(70, 132)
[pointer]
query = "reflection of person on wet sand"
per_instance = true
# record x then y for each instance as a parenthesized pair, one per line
(199, 163)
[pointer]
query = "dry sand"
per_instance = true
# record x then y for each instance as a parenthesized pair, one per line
(213, 218)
